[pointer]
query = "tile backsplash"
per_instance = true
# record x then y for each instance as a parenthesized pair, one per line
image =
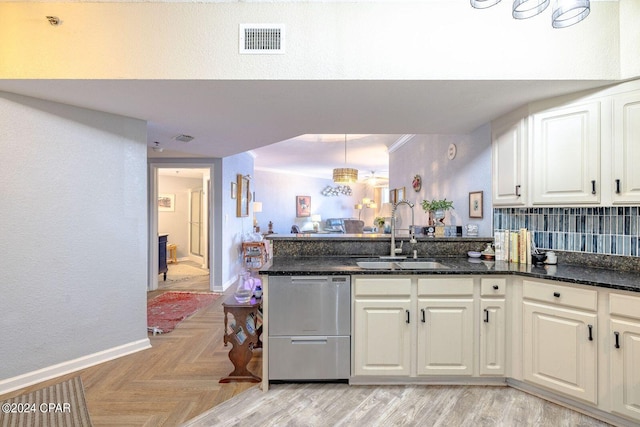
(596, 230)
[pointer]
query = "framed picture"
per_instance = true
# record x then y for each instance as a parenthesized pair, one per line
(475, 204)
(400, 194)
(393, 196)
(303, 206)
(244, 195)
(166, 202)
(234, 190)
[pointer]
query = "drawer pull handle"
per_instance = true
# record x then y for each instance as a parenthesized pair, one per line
(617, 186)
(590, 332)
(408, 318)
(424, 318)
(593, 186)
(496, 287)
(556, 294)
(486, 316)
(518, 191)
(617, 334)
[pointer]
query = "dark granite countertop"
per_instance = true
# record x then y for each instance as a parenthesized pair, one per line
(619, 280)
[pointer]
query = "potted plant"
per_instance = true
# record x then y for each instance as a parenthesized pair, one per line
(436, 209)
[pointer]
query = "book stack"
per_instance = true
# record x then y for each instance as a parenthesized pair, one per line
(513, 246)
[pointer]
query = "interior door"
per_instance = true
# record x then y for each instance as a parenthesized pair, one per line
(195, 223)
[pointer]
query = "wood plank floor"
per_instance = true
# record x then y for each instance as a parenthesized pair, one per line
(343, 405)
(177, 380)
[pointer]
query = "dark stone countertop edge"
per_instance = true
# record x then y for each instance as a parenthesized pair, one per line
(575, 274)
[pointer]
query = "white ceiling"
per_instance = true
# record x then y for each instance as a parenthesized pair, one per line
(276, 118)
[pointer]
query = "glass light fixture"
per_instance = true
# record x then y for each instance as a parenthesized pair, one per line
(483, 4)
(523, 9)
(345, 175)
(569, 12)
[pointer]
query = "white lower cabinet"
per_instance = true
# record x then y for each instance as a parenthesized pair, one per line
(559, 339)
(400, 324)
(445, 327)
(493, 344)
(382, 331)
(624, 345)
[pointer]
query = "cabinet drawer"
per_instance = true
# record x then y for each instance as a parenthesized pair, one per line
(382, 286)
(309, 358)
(493, 287)
(442, 287)
(561, 295)
(624, 305)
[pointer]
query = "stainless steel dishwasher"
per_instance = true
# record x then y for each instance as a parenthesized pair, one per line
(309, 327)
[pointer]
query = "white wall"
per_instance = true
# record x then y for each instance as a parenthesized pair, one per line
(278, 192)
(73, 212)
(469, 171)
(432, 40)
(176, 222)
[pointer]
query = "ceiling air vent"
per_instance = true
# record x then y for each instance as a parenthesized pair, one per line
(261, 38)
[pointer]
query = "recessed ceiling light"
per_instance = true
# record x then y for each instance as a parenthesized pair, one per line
(183, 138)
(157, 147)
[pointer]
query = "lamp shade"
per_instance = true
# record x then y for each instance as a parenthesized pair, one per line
(568, 12)
(523, 9)
(345, 175)
(257, 207)
(316, 218)
(386, 210)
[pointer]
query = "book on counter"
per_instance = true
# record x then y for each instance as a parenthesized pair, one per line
(513, 246)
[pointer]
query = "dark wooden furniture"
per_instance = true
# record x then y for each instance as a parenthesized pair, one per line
(243, 332)
(162, 255)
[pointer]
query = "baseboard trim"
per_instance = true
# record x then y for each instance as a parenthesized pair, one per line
(10, 384)
(427, 380)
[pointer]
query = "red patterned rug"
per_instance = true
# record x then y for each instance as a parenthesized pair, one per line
(165, 311)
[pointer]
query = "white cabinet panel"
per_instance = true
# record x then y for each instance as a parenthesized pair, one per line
(625, 367)
(493, 337)
(382, 337)
(445, 337)
(509, 164)
(558, 351)
(626, 148)
(566, 155)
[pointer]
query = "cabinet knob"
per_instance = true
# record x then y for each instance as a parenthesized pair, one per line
(408, 316)
(486, 316)
(556, 294)
(496, 287)
(424, 318)
(593, 186)
(590, 332)
(518, 190)
(617, 186)
(617, 335)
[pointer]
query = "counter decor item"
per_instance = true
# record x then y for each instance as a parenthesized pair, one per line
(436, 210)
(488, 253)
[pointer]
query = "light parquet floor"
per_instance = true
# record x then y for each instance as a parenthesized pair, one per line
(170, 383)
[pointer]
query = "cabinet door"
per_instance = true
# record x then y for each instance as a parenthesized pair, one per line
(492, 337)
(382, 337)
(445, 337)
(558, 353)
(509, 164)
(566, 155)
(626, 150)
(625, 367)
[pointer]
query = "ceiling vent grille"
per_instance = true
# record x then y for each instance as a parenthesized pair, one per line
(262, 38)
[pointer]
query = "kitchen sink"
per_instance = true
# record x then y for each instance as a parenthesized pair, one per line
(421, 265)
(377, 265)
(403, 265)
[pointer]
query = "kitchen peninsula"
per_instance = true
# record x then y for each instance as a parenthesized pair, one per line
(569, 332)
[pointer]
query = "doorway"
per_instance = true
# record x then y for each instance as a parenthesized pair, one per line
(183, 217)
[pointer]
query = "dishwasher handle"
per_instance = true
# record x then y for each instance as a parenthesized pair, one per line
(309, 340)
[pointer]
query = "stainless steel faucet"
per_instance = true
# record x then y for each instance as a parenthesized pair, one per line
(394, 251)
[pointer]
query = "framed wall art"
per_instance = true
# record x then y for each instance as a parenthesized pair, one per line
(475, 204)
(243, 196)
(234, 190)
(303, 206)
(166, 202)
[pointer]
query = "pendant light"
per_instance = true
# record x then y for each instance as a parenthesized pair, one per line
(565, 12)
(345, 175)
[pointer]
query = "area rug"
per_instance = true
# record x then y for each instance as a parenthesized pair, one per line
(61, 404)
(180, 271)
(165, 311)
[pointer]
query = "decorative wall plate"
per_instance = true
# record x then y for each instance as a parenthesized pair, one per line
(417, 183)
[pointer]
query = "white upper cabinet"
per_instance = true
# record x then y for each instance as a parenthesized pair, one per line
(565, 155)
(509, 161)
(626, 148)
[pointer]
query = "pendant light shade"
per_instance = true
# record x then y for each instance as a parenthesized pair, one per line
(345, 175)
(568, 12)
(483, 4)
(523, 9)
